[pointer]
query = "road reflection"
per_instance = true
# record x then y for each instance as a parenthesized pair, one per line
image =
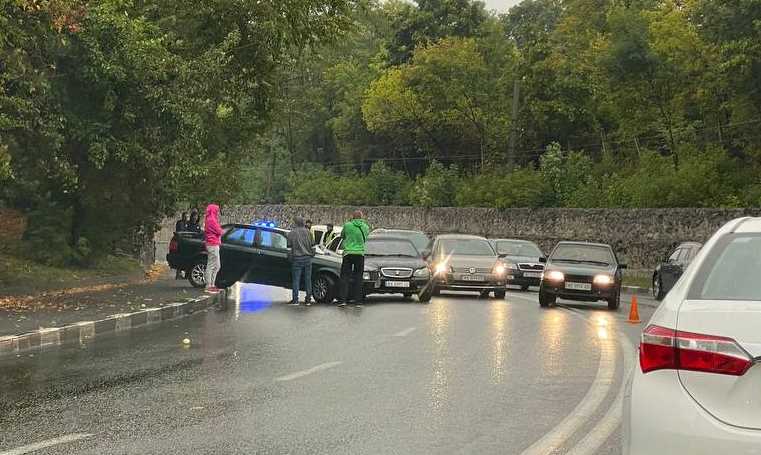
(552, 327)
(498, 315)
(438, 328)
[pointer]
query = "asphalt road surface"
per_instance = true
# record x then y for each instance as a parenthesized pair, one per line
(460, 375)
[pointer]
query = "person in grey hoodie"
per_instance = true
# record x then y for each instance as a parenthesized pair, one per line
(302, 250)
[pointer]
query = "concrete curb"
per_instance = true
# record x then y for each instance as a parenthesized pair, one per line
(85, 332)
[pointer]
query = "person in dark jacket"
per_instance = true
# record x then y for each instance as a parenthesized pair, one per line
(194, 225)
(302, 250)
(354, 233)
(182, 224)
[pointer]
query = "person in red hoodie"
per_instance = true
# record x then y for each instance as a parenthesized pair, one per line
(213, 238)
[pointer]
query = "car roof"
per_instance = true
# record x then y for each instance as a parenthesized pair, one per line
(253, 226)
(513, 240)
(389, 237)
(604, 245)
(459, 237)
(747, 226)
(384, 230)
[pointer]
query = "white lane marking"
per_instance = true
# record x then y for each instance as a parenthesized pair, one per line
(604, 379)
(301, 374)
(49, 443)
(405, 332)
(612, 419)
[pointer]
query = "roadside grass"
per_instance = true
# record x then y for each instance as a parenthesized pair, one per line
(639, 278)
(20, 275)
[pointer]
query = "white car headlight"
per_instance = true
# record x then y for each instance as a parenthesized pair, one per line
(423, 273)
(442, 268)
(603, 280)
(554, 275)
(500, 269)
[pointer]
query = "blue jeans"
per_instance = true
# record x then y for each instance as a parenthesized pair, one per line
(301, 264)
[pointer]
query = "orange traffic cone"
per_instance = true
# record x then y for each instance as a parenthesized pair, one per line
(634, 311)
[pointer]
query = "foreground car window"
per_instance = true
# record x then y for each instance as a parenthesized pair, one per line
(517, 249)
(583, 253)
(466, 247)
(390, 248)
(731, 271)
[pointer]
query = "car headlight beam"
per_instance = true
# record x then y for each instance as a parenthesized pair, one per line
(441, 268)
(423, 273)
(603, 280)
(554, 275)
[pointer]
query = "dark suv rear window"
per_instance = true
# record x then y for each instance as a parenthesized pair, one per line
(731, 271)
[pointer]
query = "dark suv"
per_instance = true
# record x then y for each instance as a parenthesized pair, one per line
(251, 254)
(668, 272)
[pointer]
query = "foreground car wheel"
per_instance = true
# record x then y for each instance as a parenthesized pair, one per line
(500, 294)
(197, 275)
(545, 300)
(324, 288)
(657, 288)
(615, 302)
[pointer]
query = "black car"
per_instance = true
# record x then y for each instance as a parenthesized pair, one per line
(467, 263)
(668, 272)
(418, 238)
(587, 272)
(251, 254)
(394, 266)
(523, 260)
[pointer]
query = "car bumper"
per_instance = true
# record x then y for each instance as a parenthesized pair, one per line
(660, 417)
(518, 278)
(593, 295)
(382, 286)
(176, 262)
(451, 283)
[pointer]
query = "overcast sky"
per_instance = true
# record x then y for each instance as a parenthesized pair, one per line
(501, 5)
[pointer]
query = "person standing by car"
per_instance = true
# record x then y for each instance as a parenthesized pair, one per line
(194, 225)
(181, 226)
(302, 250)
(354, 233)
(213, 239)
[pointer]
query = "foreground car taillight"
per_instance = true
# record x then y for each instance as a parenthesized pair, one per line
(667, 349)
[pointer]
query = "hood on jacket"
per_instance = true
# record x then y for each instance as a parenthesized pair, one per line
(212, 212)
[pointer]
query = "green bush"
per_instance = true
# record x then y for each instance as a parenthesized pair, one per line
(520, 188)
(47, 238)
(437, 188)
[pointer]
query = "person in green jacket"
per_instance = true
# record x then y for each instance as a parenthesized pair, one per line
(355, 234)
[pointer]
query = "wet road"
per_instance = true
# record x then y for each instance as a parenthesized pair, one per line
(459, 375)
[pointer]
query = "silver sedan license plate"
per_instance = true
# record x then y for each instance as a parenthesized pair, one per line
(397, 284)
(579, 286)
(473, 278)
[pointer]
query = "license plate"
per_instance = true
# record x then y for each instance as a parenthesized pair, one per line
(473, 278)
(532, 274)
(579, 286)
(397, 284)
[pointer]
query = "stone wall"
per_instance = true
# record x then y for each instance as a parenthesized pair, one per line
(641, 237)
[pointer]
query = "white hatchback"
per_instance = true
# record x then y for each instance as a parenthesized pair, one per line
(697, 389)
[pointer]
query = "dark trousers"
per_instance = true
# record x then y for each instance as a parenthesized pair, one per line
(299, 265)
(352, 268)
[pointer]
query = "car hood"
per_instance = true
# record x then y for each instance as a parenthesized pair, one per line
(580, 269)
(472, 261)
(378, 262)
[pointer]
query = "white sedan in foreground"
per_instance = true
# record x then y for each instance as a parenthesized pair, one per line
(697, 389)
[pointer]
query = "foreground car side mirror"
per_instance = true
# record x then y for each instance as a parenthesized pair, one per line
(543, 260)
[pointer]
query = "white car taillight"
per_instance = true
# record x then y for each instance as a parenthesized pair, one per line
(668, 349)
